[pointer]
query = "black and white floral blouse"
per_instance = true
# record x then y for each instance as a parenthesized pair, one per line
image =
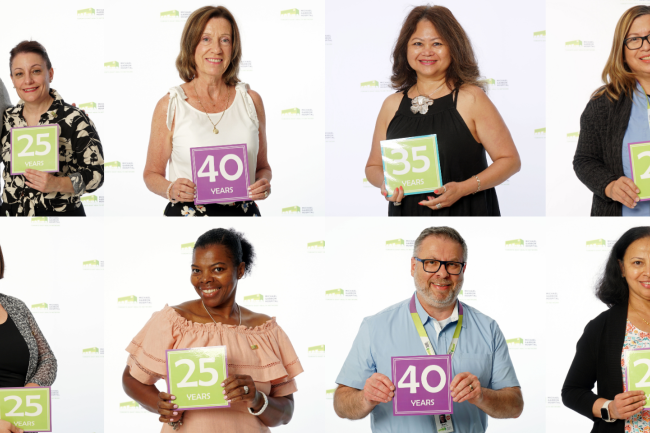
(42, 363)
(81, 158)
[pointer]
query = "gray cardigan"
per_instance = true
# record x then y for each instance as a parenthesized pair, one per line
(42, 363)
(5, 102)
(598, 159)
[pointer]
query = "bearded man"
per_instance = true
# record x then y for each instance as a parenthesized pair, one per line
(484, 380)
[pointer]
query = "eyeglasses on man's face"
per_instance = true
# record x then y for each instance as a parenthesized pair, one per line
(636, 42)
(432, 265)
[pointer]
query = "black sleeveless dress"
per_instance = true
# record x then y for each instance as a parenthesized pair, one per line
(461, 157)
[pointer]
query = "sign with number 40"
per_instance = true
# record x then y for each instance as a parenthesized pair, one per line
(194, 377)
(27, 408)
(422, 385)
(220, 173)
(35, 147)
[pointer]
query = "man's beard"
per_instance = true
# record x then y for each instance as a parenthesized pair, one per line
(430, 299)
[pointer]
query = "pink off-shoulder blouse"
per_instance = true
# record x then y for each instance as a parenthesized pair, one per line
(273, 365)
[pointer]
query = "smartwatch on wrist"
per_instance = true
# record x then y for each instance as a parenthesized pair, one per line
(604, 412)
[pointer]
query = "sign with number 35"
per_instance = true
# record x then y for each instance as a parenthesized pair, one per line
(194, 377)
(412, 163)
(27, 408)
(35, 147)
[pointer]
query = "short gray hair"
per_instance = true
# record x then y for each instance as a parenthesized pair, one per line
(442, 231)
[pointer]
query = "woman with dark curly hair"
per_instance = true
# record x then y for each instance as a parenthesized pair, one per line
(625, 289)
(28, 360)
(262, 363)
(437, 78)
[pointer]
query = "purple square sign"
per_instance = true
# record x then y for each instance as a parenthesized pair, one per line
(220, 173)
(422, 385)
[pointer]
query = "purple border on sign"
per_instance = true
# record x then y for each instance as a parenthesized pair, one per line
(49, 391)
(193, 152)
(629, 151)
(225, 360)
(11, 147)
(450, 402)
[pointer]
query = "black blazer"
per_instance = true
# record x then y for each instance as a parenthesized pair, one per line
(598, 159)
(598, 360)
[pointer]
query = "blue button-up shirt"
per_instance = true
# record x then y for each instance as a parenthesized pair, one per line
(481, 350)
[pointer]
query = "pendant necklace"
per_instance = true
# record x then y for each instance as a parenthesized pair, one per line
(215, 130)
(420, 104)
(215, 322)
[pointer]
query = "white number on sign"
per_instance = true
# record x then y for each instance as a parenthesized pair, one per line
(407, 166)
(413, 385)
(645, 175)
(410, 372)
(39, 142)
(39, 408)
(212, 173)
(202, 368)
(18, 401)
(644, 382)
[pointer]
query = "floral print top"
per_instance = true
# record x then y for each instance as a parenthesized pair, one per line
(635, 339)
(81, 158)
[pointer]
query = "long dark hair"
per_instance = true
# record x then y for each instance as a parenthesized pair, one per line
(463, 68)
(240, 249)
(612, 288)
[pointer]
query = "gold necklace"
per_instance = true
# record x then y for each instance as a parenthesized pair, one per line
(215, 130)
(215, 322)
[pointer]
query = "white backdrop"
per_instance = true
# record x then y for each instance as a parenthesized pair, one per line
(294, 278)
(359, 40)
(574, 72)
(75, 48)
(46, 270)
(121, 55)
(573, 304)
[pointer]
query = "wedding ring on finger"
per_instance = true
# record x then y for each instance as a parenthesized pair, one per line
(246, 390)
(266, 194)
(444, 188)
(438, 206)
(471, 388)
(397, 203)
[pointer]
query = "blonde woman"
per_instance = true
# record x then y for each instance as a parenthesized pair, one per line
(615, 116)
(211, 99)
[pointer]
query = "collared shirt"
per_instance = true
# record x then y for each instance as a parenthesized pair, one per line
(81, 158)
(481, 350)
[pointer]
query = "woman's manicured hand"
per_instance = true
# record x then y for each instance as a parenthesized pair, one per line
(183, 190)
(398, 194)
(167, 409)
(623, 190)
(41, 181)
(627, 404)
(449, 194)
(234, 391)
(256, 190)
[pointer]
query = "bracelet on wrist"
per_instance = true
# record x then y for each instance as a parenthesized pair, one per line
(261, 411)
(478, 181)
(169, 188)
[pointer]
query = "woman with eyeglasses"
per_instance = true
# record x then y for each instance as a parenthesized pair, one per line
(616, 116)
(600, 353)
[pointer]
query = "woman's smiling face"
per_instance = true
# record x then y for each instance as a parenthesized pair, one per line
(214, 51)
(427, 53)
(635, 268)
(30, 77)
(214, 275)
(639, 60)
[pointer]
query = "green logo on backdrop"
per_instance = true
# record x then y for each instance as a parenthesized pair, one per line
(291, 209)
(90, 14)
(573, 136)
(539, 36)
(297, 114)
(329, 393)
(521, 343)
(91, 350)
(26, 408)
(316, 247)
(89, 199)
(596, 243)
(119, 167)
(128, 299)
(373, 83)
(316, 351)
(195, 376)
(113, 64)
(187, 248)
(170, 14)
(92, 265)
(576, 43)
(257, 297)
(290, 12)
(540, 133)
(39, 306)
(515, 243)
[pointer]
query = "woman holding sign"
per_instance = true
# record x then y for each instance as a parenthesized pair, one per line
(261, 362)
(439, 92)
(51, 151)
(211, 129)
(609, 339)
(28, 361)
(612, 157)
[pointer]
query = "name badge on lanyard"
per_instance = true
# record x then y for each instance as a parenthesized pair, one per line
(443, 422)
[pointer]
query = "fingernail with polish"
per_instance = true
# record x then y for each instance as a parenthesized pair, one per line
(222, 385)
(175, 406)
(175, 413)
(173, 397)
(224, 392)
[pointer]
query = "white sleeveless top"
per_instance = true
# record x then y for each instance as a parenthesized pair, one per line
(192, 129)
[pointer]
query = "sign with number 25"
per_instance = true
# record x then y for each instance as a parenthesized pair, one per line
(35, 147)
(637, 372)
(220, 173)
(27, 408)
(411, 163)
(640, 164)
(194, 377)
